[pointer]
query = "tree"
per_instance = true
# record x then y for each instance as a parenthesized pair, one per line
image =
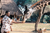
(38, 19)
(20, 2)
(41, 12)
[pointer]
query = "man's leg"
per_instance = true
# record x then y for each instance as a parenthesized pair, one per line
(7, 32)
(2, 31)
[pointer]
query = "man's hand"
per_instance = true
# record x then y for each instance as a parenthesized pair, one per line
(13, 21)
(17, 21)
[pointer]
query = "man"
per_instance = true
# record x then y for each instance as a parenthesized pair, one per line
(6, 21)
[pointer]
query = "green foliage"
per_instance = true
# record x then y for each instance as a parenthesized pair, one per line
(25, 2)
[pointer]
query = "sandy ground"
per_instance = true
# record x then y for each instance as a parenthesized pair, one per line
(29, 27)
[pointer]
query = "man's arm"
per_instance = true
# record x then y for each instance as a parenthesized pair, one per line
(16, 22)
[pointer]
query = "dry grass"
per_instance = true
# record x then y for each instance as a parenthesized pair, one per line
(29, 27)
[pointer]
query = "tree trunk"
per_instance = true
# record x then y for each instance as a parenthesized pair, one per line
(42, 18)
(41, 12)
(36, 24)
(23, 19)
(38, 19)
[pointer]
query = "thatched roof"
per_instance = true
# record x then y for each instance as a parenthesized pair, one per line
(11, 6)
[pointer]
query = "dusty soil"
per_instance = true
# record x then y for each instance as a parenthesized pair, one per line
(29, 27)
